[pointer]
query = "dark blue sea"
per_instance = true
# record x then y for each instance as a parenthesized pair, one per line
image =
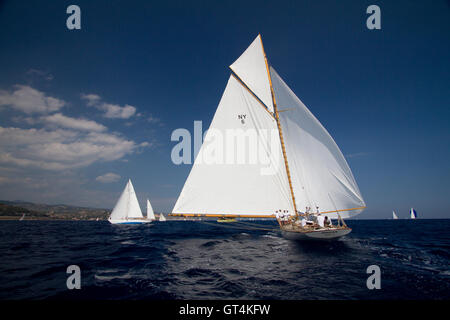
(197, 260)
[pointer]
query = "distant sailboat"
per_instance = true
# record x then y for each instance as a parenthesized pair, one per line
(161, 217)
(309, 170)
(413, 213)
(127, 210)
(23, 217)
(394, 216)
(150, 213)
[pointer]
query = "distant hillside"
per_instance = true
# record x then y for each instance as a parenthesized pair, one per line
(59, 211)
(13, 211)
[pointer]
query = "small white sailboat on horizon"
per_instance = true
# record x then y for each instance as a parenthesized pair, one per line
(394, 216)
(23, 217)
(309, 170)
(150, 213)
(161, 217)
(127, 209)
(413, 213)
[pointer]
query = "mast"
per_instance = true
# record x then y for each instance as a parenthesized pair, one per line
(280, 131)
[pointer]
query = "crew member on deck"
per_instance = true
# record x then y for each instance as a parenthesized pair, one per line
(320, 220)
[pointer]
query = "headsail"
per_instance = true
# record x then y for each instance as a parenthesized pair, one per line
(320, 174)
(250, 67)
(150, 213)
(413, 213)
(394, 216)
(127, 206)
(231, 183)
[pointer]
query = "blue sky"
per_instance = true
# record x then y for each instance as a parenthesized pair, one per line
(101, 102)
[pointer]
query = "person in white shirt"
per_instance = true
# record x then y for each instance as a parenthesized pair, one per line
(321, 221)
(303, 222)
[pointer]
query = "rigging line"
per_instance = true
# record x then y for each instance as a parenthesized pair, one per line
(249, 224)
(341, 210)
(284, 110)
(237, 227)
(253, 94)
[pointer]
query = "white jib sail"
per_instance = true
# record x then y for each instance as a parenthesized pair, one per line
(225, 178)
(150, 213)
(161, 217)
(251, 68)
(394, 216)
(413, 213)
(320, 174)
(127, 206)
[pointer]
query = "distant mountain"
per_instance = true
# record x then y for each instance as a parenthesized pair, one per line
(58, 211)
(42, 207)
(12, 211)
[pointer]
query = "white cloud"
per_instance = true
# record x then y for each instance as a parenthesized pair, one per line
(61, 120)
(61, 148)
(29, 100)
(113, 111)
(91, 99)
(152, 119)
(116, 111)
(108, 178)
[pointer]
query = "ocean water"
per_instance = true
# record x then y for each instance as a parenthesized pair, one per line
(197, 260)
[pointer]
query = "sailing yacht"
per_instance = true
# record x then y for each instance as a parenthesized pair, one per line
(413, 213)
(127, 209)
(299, 166)
(394, 216)
(150, 213)
(161, 217)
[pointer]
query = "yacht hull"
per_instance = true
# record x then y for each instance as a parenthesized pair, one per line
(327, 234)
(129, 221)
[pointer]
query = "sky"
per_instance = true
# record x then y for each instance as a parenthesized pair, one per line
(82, 111)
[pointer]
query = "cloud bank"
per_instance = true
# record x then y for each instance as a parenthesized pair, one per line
(112, 111)
(61, 142)
(29, 100)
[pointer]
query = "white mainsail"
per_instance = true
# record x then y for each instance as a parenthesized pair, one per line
(320, 176)
(161, 217)
(394, 216)
(127, 206)
(150, 213)
(413, 213)
(226, 186)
